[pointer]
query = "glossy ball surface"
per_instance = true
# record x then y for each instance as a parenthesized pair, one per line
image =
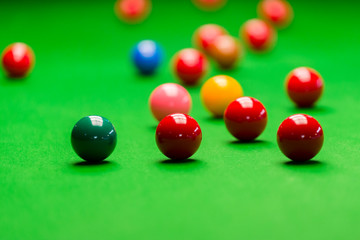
(93, 138)
(218, 92)
(277, 12)
(258, 35)
(226, 51)
(169, 98)
(18, 60)
(304, 86)
(245, 118)
(178, 136)
(132, 11)
(190, 65)
(206, 34)
(300, 137)
(209, 5)
(146, 56)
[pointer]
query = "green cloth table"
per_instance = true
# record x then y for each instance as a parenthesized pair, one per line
(228, 190)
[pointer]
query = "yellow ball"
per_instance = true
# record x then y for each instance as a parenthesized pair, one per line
(218, 92)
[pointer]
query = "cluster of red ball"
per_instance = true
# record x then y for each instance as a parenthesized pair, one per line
(257, 34)
(300, 137)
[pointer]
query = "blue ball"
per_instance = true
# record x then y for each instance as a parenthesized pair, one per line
(147, 56)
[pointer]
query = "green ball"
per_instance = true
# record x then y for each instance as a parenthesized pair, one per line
(93, 138)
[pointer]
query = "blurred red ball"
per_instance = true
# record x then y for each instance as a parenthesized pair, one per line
(304, 86)
(277, 12)
(132, 11)
(190, 65)
(18, 60)
(258, 35)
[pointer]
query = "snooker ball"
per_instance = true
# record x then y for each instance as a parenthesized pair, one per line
(93, 138)
(218, 92)
(304, 86)
(132, 11)
(190, 65)
(146, 56)
(178, 136)
(206, 34)
(258, 35)
(226, 51)
(245, 118)
(277, 12)
(209, 5)
(300, 137)
(169, 98)
(18, 60)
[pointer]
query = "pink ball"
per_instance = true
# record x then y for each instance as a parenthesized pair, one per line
(169, 98)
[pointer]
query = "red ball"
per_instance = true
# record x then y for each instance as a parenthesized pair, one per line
(178, 136)
(304, 86)
(18, 60)
(300, 137)
(258, 35)
(205, 35)
(190, 65)
(132, 11)
(277, 12)
(245, 118)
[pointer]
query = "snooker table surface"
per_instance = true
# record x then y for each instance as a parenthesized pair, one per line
(227, 190)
